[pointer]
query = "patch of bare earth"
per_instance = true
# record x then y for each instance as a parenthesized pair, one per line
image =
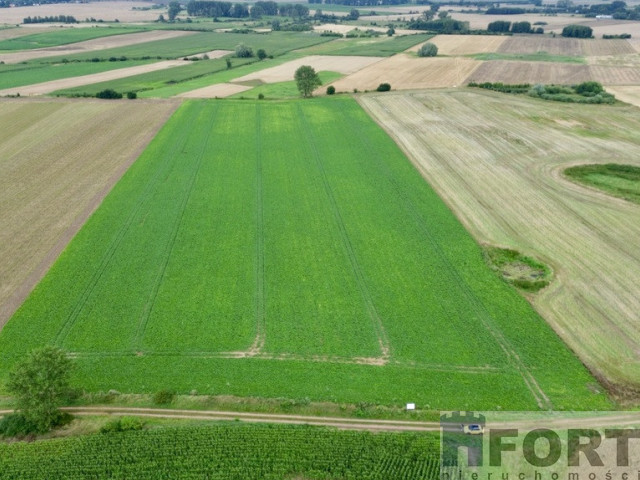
(405, 72)
(530, 72)
(220, 90)
(58, 160)
(285, 71)
(465, 44)
(92, 45)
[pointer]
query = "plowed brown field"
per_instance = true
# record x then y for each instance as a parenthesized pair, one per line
(530, 72)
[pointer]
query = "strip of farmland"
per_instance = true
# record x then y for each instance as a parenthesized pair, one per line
(289, 250)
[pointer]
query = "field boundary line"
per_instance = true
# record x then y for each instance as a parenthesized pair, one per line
(67, 326)
(378, 326)
(146, 313)
(514, 359)
(291, 357)
(258, 343)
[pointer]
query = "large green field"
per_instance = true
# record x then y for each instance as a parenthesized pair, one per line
(289, 249)
(62, 37)
(226, 451)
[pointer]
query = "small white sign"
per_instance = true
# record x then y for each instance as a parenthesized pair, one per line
(411, 406)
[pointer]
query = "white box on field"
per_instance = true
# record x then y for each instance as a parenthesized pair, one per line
(411, 406)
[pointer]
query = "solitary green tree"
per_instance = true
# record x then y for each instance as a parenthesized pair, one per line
(40, 382)
(174, 10)
(307, 80)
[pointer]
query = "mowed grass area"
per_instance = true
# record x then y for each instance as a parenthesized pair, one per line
(619, 180)
(62, 37)
(289, 249)
(481, 150)
(226, 450)
(530, 57)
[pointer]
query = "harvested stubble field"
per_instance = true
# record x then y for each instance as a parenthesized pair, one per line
(406, 72)
(465, 44)
(289, 249)
(628, 94)
(513, 72)
(107, 41)
(615, 75)
(497, 161)
(566, 46)
(107, 11)
(58, 160)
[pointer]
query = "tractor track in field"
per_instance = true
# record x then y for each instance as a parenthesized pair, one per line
(378, 326)
(144, 318)
(258, 343)
(511, 354)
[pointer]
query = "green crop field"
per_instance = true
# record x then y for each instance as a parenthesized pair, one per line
(62, 37)
(226, 451)
(289, 249)
(275, 43)
(29, 74)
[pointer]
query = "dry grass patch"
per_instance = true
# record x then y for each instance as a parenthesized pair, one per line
(536, 44)
(465, 44)
(629, 94)
(530, 72)
(285, 71)
(406, 72)
(497, 160)
(107, 11)
(57, 161)
(220, 90)
(96, 44)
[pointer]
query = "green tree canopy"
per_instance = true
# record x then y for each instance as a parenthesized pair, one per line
(40, 383)
(307, 80)
(174, 10)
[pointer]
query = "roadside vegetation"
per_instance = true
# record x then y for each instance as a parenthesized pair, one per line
(621, 181)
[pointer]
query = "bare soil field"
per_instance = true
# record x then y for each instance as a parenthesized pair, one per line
(530, 72)
(92, 45)
(497, 161)
(615, 75)
(79, 150)
(632, 60)
(405, 72)
(107, 11)
(600, 47)
(535, 44)
(628, 94)
(480, 20)
(615, 27)
(63, 83)
(285, 72)
(465, 44)
(220, 90)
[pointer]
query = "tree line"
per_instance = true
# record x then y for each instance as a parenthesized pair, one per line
(51, 19)
(200, 8)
